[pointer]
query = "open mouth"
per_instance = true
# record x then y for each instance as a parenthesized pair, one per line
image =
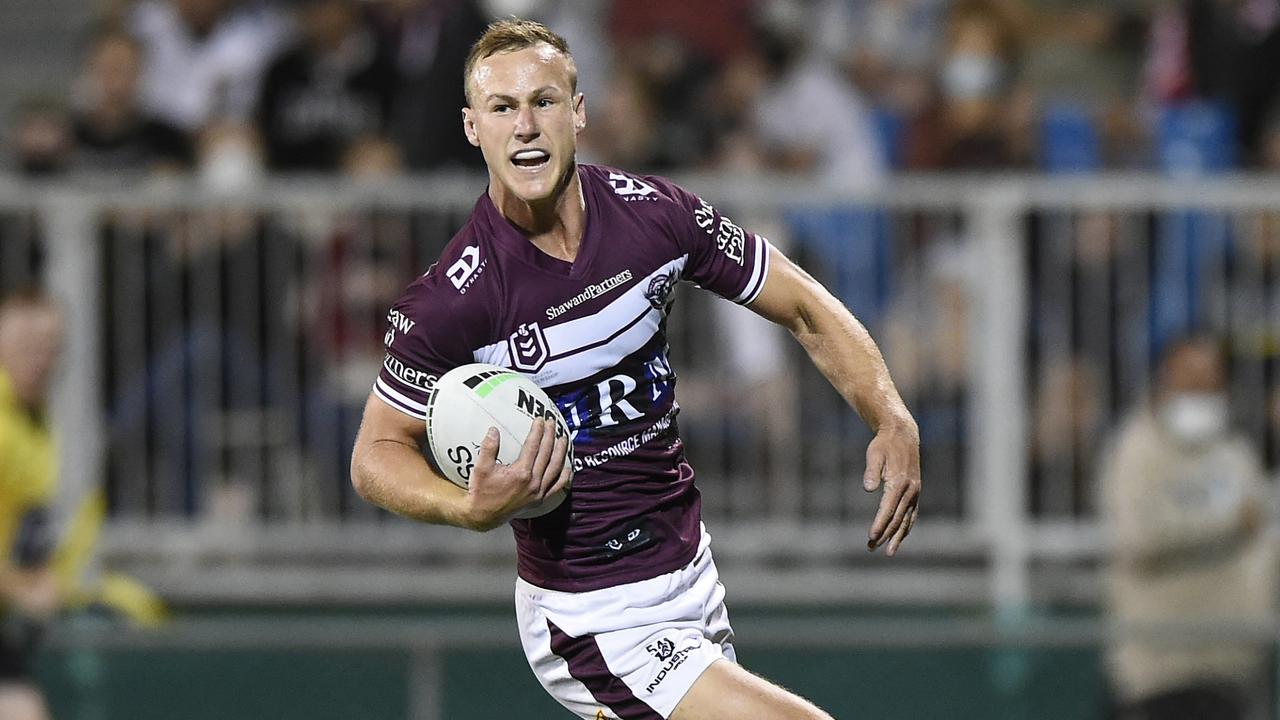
(531, 159)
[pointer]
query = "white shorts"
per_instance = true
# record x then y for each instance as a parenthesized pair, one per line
(629, 652)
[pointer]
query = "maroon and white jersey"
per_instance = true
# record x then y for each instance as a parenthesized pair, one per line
(592, 333)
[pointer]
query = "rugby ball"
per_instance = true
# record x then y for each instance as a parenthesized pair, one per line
(470, 399)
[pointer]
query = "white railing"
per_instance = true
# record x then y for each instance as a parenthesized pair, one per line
(223, 450)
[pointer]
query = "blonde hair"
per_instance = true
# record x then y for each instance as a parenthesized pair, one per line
(514, 34)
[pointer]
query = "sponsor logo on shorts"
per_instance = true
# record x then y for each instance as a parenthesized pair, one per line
(664, 650)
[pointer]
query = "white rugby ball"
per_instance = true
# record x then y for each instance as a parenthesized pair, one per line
(470, 399)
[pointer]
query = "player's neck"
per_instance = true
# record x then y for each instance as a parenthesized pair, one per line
(555, 226)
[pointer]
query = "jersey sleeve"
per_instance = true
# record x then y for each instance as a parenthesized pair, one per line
(723, 258)
(430, 330)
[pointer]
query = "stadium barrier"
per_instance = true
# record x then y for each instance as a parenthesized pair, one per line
(221, 347)
(469, 666)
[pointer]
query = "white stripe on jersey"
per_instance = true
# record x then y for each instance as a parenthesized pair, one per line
(602, 330)
(400, 401)
(583, 363)
(495, 354)
(598, 327)
(759, 271)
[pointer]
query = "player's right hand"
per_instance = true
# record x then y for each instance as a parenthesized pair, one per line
(496, 492)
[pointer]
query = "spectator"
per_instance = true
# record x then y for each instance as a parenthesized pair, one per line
(429, 40)
(673, 50)
(229, 157)
(1067, 421)
(1224, 51)
(42, 139)
(977, 119)
(623, 127)
(1183, 496)
(112, 131)
(30, 338)
(834, 137)
(888, 47)
(927, 344)
(331, 90)
(729, 116)
(582, 24)
(204, 59)
(717, 28)
(1269, 141)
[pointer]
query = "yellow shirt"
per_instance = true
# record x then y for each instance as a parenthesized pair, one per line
(28, 468)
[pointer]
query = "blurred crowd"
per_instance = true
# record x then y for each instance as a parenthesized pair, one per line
(834, 91)
(232, 89)
(213, 395)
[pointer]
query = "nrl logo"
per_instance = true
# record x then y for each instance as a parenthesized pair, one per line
(528, 346)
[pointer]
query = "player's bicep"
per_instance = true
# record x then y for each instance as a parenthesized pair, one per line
(790, 296)
(384, 423)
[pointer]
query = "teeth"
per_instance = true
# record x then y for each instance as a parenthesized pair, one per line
(529, 155)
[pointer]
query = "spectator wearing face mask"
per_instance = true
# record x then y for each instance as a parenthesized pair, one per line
(1183, 496)
(979, 116)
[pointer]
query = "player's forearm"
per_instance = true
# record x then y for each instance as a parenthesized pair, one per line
(845, 353)
(396, 477)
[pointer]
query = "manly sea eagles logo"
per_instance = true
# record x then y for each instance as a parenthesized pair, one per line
(662, 649)
(528, 346)
(659, 290)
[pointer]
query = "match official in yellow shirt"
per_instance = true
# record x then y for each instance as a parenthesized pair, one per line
(30, 339)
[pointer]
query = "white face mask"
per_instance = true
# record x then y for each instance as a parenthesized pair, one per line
(1195, 417)
(967, 75)
(230, 166)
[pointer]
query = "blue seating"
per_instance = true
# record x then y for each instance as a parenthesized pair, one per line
(1068, 140)
(1192, 139)
(1195, 138)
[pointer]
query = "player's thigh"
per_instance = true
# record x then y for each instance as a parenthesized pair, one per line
(20, 701)
(726, 691)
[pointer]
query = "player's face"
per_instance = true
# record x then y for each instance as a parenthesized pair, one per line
(525, 118)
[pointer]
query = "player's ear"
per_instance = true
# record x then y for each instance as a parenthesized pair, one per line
(469, 126)
(579, 112)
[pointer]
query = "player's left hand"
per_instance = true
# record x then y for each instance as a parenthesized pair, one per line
(893, 460)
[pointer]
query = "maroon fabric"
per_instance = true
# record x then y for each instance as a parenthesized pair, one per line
(587, 666)
(493, 288)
